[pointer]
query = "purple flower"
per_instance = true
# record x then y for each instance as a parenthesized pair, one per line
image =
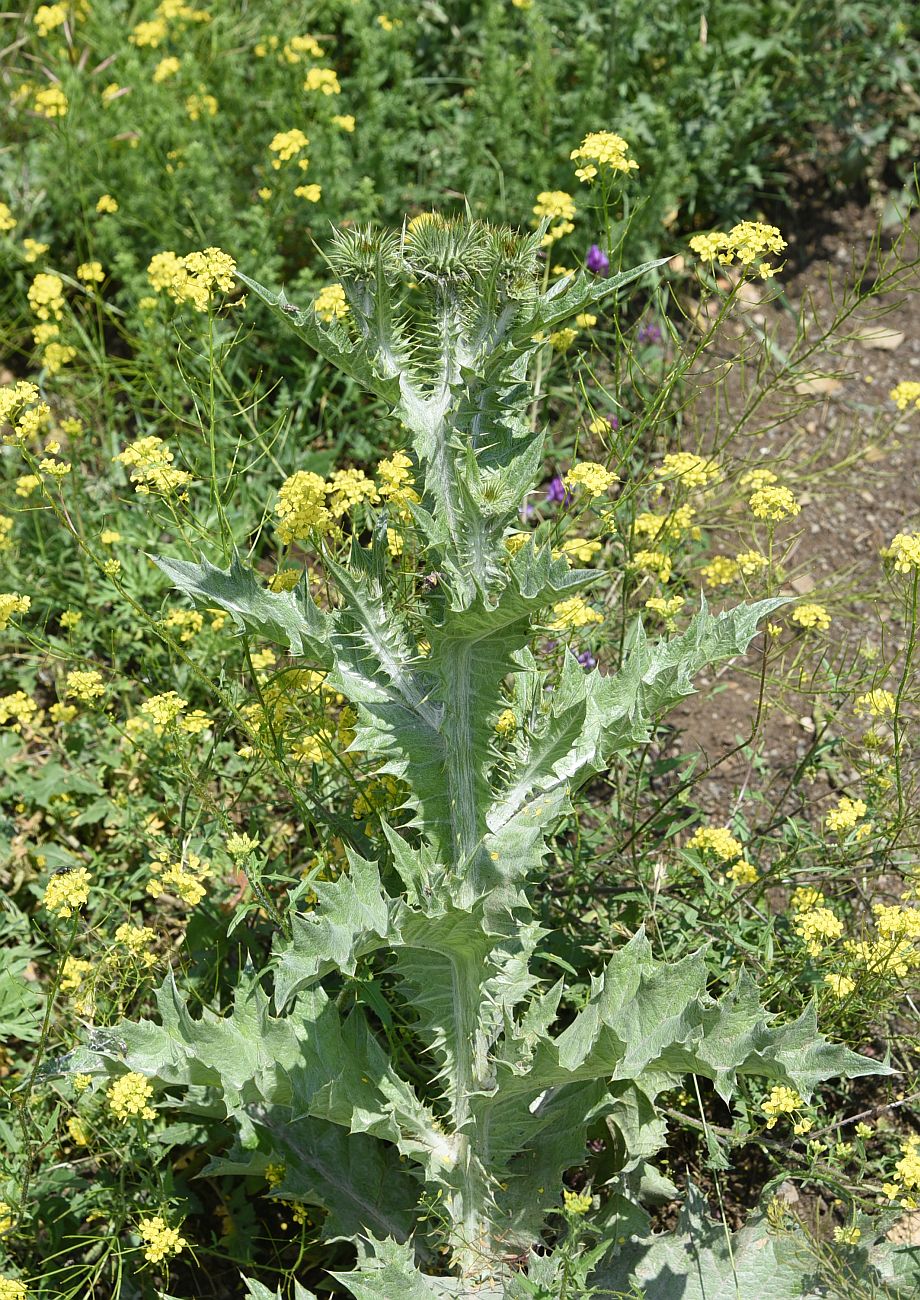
(649, 333)
(586, 659)
(597, 260)
(557, 494)
(613, 421)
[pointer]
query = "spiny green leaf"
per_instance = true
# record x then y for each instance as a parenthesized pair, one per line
(290, 617)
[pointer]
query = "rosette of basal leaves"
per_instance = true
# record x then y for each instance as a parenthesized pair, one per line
(488, 1098)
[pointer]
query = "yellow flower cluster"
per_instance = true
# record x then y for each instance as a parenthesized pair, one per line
(657, 562)
(50, 102)
(506, 723)
(906, 1179)
(105, 204)
(129, 1097)
(10, 604)
(67, 891)
(196, 278)
(781, 1101)
(905, 394)
(817, 926)
(20, 408)
(151, 464)
(7, 220)
(19, 707)
(84, 685)
(349, 488)
(160, 1241)
(716, 841)
(593, 478)
(582, 549)
(773, 503)
(166, 712)
(12, 1289)
(136, 940)
(602, 150)
(165, 69)
(664, 528)
(49, 17)
(877, 703)
(90, 272)
(396, 484)
(46, 296)
(239, 845)
(666, 606)
(573, 613)
(301, 507)
(749, 241)
(845, 816)
(811, 616)
(323, 81)
(905, 552)
(330, 303)
(181, 878)
(72, 973)
(577, 1202)
(840, 985)
(288, 145)
(692, 471)
(559, 208)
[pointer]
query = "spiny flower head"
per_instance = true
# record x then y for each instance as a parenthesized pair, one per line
(67, 891)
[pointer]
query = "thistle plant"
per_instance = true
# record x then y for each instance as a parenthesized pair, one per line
(442, 1157)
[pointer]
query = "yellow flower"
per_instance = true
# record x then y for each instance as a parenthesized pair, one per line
(110, 93)
(160, 1241)
(7, 220)
(811, 615)
(150, 463)
(129, 1096)
(72, 973)
(301, 507)
(555, 204)
(11, 603)
(166, 68)
(239, 845)
(506, 723)
(773, 503)
(163, 710)
(667, 607)
(149, 33)
(90, 272)
(181, 878)
(287, 145)
(50, 103)
(344, 121)
(905, 393)
(605, 150)
(86, 686)
(562, 340)
(46, 296)
(26, 484)
(817, 927)
(716, 841)
(573, 613)
(840, 985)
(577, 548)
(330, 304)
(323, 80)
(876, 703)
(577, 1202)
(106, 204)
(109, 536)
(12, 1289)
(311, 193)
(593, 478)
(905, 552)
(720, 571)
(32, 250)
(781, 1101)
(656, 562)
(748, 241)
(751, 562)
(692, 471)
(201, 105)
(67, 891)
(48, 17)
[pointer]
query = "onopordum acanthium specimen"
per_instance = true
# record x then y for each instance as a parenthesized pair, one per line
(448, 1182)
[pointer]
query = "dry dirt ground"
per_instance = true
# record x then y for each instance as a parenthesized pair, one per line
(857, 480)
